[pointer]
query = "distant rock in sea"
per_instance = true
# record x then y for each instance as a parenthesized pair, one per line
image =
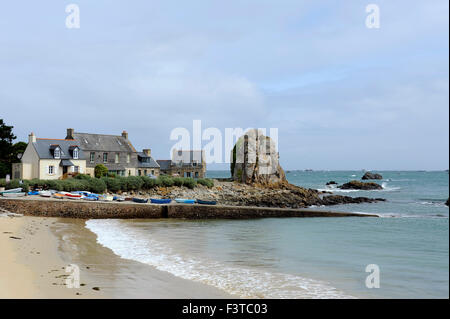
(370, 175)
(360, 185)
(447, 202)
(331, 183)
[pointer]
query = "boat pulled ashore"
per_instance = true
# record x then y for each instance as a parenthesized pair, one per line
(160, 200)
(185, 201)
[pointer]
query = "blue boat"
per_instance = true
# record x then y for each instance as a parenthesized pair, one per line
(185, 201)
(140, 200)
(206, 202)
(160, 200)
(33, 193)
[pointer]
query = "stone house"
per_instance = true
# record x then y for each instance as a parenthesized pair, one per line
(116, 152)
(184, 163)
(49, 159)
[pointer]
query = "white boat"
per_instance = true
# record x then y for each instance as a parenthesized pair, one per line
(106, 198)
(20, 194)
(45, 193)
(12, 190)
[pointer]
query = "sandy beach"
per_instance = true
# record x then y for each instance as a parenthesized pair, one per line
(37, 250)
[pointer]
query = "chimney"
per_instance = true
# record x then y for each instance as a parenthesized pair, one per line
(31, 138)
(69, 134)
(125, 134)
(147, 151)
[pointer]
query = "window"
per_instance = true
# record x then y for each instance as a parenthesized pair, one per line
(116, 158)
(139, 172)
(153, 172)
(76, 169)
(75, 153)
(128, 158)
(105, 157)
(194, 164)
(51, 170)
(92, 157)
(188, 174)
(196, 174)
(57, 153)
(145, 172)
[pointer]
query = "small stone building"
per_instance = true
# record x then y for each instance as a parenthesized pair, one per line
(187, 163)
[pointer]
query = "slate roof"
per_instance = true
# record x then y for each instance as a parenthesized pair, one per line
(103, 142)
(187, 156)
(44, 148)
(151, 162)
(164, 164)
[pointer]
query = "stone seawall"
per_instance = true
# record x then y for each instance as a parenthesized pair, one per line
(92, 210)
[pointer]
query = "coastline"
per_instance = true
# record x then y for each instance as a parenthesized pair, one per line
(36, 263)
(67, 208)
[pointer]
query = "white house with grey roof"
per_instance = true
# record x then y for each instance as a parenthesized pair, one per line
(46, 158)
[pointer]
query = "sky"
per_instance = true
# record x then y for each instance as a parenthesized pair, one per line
(342, 96)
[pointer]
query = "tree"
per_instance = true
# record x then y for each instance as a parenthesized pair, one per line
(17, 148)
(100, 170)
(6, 148)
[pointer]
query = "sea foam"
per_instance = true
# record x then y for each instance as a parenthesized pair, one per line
(131, 243)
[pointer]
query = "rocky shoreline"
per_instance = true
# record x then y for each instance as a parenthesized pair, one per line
(279, 195)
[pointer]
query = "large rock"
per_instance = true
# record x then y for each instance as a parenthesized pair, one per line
(360, 185)
(254, 159)
(370, 175)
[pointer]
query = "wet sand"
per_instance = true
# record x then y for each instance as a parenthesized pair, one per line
(35, 265)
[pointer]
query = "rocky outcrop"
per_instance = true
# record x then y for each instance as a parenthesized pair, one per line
(254, 159)
(360, 185)
(331, 183)
(447, 202)
(370, 175)
(281, 195)
(338, 200)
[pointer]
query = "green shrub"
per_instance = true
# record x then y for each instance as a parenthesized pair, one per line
(149, 183)
(100, 170)
(97, 186)
(134, 183)
(2, 182)
(166, 181)
(205, 182)
(112, 184)
(189, 182)
(178, 181)
(15, 183)
(83, 176)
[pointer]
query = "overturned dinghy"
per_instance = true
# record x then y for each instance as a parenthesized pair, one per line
(206, 202)
(185, 201)
(160, 200)
(13, 195)
(45, 193)
(140, 200)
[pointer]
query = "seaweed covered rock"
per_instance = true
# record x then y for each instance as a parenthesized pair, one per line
(254, 159)
(360, 185)
(370, 175)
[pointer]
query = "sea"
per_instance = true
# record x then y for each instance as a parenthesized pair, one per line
(402, 254)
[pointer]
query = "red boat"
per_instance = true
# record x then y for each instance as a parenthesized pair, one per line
(73, 196)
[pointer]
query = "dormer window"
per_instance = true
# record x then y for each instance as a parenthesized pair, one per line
(57, 153)
(75, 153)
